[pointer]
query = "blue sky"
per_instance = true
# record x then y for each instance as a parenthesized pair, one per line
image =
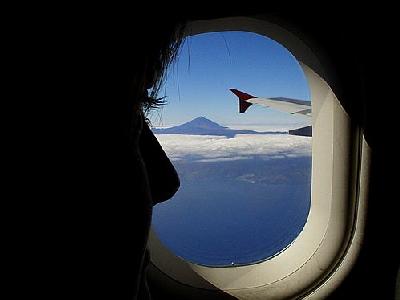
(209, 64)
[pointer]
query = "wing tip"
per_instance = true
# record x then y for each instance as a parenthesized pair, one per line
(243, 104)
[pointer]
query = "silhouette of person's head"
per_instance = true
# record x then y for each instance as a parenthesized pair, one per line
(123, 170)
(155, 177)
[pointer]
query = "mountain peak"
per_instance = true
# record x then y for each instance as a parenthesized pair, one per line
(203, 122)
(202, 126)
(201, 118)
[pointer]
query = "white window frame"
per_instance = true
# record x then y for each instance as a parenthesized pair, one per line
(319, 258)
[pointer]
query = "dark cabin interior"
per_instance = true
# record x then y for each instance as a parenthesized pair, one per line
(103, 205)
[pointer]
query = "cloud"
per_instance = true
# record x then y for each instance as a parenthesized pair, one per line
(209, 148)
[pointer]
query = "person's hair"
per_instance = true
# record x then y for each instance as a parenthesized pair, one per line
(159, 51)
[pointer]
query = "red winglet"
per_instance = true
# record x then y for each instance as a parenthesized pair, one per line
(243, 104)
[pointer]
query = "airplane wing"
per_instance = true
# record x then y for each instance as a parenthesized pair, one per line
(292, 106)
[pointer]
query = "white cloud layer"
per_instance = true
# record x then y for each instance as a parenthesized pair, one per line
(207, 148)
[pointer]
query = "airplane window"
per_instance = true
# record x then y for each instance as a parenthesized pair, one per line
(237, 128)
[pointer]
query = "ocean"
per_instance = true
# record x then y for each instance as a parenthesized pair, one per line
(235, 211)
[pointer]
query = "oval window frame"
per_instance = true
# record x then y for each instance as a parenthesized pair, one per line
(322, 254)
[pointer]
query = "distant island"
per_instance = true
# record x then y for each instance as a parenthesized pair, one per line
(303, 131)
(204, 126)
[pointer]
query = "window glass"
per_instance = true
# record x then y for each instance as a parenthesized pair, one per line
(245, 177)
